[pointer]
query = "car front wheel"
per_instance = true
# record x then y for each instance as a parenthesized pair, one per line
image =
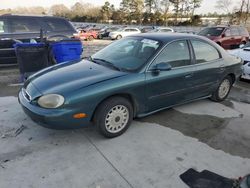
(118, 37)
(223, 90)
(113, 116)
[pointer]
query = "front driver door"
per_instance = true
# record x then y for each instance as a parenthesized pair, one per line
(166, 88)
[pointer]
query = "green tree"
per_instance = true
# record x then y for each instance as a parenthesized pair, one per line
(150, 4)
(176, 4)
(107, 10)
(194, 5)
(132, 10)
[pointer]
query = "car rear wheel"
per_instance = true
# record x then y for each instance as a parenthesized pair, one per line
(118, 37)
(223, 90)
(90, 38)
(113, 116)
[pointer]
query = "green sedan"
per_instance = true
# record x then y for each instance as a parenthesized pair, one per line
(133, 77)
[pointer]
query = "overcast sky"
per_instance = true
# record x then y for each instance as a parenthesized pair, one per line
(207, 5)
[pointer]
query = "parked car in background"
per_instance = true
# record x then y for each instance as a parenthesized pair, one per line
(244, 53)
(146, 29)
(15, 28)
(228, 37)
(133, 77)
(162, 30)
(123, 32)
(86, 35)
(105, 32)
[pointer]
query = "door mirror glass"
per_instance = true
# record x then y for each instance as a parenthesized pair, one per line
(162, 67)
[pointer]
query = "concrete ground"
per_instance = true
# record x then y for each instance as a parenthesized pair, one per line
(152, 153)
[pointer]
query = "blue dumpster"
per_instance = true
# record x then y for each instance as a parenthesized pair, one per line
(67, 50)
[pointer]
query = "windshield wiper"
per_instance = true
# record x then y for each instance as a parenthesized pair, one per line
(104, 62)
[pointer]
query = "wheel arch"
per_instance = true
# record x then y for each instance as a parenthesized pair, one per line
(127, 96)
(233, 77)
(219, 43)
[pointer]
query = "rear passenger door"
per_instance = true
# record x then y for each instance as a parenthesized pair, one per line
(208, 68)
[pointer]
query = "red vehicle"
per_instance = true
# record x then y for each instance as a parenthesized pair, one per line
(86, 34)
(228, 37)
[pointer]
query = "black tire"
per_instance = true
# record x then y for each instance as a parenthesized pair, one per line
(216, 96)
(90, 38)
(100, 37)
(104, 112)
(118, 37)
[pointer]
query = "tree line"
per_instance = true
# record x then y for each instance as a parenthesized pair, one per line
(147, 12)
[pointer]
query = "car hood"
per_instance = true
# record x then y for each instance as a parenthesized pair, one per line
(71, 76)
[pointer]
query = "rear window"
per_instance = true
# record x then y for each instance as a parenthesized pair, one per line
(24, 24)
(58, 25)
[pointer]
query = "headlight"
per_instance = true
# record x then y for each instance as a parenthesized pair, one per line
(51, 101)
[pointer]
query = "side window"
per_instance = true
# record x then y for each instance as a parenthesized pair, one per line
(228, 33)
(165, 30)
(2, 26)
(58, 25)
(127, 30)
(20, 25)
(243, 31)
(204, 52)
(234, 31)
(176, 54)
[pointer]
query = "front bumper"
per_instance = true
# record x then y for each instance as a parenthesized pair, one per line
(52, 118)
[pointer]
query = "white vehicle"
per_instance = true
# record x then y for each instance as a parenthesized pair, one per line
(244, 53)
(123, 32)
(162, 30)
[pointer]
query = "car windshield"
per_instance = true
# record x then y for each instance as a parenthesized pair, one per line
(213, 31)
(127, 54)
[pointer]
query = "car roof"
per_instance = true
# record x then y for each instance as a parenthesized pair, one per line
(167, 37)
(28, 16)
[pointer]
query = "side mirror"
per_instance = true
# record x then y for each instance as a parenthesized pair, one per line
(223, 35)
(162, 67)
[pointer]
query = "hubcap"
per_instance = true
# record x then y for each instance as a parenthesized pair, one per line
(224, 88)
(117, 118)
